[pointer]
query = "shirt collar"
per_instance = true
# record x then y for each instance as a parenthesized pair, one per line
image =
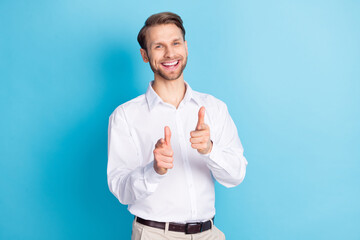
(153, 99)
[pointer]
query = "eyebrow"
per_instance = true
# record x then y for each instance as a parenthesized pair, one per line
(156, 43)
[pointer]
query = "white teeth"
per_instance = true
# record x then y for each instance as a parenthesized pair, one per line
(171, 64)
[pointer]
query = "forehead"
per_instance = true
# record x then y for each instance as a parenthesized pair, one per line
(163, 33)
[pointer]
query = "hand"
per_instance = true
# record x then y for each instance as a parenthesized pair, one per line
(200, 138)
(163, 153)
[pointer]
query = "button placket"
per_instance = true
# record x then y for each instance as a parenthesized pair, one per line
(188, 172)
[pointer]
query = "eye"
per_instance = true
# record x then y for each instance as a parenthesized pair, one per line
(176, 43)
(158, 46)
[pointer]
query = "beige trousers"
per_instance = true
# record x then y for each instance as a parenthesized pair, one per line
(143, 232)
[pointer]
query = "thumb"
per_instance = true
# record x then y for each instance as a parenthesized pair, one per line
(167, 135)
(201, 117)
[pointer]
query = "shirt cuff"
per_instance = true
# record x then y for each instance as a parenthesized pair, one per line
(214, 159)
(151, 177)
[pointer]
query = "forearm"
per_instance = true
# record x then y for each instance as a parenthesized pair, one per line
(128, 178)
(131, 185)
(228, 165)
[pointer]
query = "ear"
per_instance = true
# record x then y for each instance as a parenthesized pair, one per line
(144, 55)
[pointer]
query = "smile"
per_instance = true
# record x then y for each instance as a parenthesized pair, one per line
(171, 65)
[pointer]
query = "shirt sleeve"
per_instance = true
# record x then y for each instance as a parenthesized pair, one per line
(128, 180)
(226, 160)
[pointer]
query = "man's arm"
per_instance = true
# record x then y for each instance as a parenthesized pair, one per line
(127, 179)
(222, 148)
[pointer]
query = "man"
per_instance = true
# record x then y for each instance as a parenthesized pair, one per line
(167, 145)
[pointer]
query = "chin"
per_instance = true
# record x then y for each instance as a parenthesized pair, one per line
(171, 78)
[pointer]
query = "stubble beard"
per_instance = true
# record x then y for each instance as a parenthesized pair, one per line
(165, 75)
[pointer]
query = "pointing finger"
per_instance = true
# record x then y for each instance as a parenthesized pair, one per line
(167, 135)
(201, 117)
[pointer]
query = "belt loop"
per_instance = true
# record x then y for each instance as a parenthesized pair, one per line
(134, 222)
(166, 228)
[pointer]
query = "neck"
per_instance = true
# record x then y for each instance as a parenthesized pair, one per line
(170, 91)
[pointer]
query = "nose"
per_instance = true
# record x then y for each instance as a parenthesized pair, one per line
(169, 52)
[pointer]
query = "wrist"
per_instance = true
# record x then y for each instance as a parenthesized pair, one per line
(208, 150)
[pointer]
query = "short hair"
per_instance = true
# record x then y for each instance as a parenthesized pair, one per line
(157, 19)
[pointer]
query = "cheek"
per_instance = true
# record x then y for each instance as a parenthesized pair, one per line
(154, 63)
(183, 52)
(151, 60)
(154, 59)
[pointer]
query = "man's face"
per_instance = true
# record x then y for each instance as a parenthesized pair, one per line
(166, 51)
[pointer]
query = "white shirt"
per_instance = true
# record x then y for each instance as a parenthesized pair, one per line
(186, 192)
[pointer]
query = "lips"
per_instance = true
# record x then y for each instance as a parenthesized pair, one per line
(170, 64)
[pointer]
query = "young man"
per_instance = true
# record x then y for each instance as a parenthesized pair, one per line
(167, 145)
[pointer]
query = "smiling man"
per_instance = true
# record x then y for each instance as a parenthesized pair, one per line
(168, 146)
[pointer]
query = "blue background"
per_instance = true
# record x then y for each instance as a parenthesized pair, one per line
(288, 70)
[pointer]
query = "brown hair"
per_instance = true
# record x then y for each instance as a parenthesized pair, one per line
(157, 19)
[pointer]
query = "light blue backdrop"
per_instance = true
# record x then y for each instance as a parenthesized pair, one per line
(288, 70)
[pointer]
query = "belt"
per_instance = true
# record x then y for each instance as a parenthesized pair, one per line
(187, 228)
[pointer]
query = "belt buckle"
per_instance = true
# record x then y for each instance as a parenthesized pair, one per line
(192, 228)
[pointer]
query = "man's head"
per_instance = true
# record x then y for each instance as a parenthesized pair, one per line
(158, 19)
(163, 45)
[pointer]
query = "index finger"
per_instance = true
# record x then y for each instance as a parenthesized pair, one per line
(167, 133)
(201, 118)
